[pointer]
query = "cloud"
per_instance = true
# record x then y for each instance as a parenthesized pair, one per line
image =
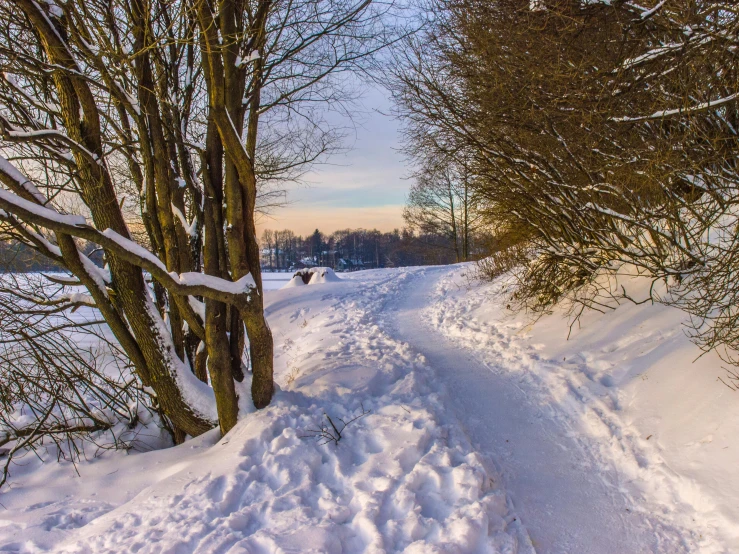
(364, 187)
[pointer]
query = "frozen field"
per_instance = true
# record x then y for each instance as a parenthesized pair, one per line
(275, 281)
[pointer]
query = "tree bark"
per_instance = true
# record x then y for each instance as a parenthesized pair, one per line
(82, 124)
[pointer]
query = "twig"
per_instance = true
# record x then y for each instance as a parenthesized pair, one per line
(333, 434)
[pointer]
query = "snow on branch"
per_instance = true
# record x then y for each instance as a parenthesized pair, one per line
(20, 180)
(652, 11)
(681, 111)
(12, 203)
(49, 31)
(196, 284)
(14, 134)
(191, 229)
(134, 248)
(663, 50)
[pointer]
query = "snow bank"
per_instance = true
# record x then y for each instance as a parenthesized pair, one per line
(296, 281)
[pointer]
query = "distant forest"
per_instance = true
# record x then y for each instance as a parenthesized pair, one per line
(355, 249)
(345, 250)
(19, 258)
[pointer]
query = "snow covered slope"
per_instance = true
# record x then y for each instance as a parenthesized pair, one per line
(483, 434)
(654, 424)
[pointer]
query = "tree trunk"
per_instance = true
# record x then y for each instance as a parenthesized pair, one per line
(82, 124)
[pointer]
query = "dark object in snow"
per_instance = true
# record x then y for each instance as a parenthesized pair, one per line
(331, 433)
(313, 275)
(304, 275)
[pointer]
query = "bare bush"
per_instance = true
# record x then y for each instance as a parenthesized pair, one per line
(332, 432)
(502, 261)
(602, 133)
(63, 383)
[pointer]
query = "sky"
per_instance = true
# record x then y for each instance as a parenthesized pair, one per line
(364, 187)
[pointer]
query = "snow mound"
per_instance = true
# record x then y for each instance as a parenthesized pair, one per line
(323, 275)
(296, 281)
(312, 276)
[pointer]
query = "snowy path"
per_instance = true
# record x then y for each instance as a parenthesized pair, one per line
(403, 479)
(568, 500)
(452, 385)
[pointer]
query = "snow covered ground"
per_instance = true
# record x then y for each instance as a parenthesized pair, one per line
(275, 281)
(483, 434)
(631, 443)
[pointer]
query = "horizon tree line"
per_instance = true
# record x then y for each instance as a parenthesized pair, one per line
(354, 249)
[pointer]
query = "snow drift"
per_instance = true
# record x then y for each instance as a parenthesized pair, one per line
(621, 404)
(648, 413)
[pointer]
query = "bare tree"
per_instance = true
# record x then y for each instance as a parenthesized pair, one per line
(163, 121)
(441, 203)
(268, 242)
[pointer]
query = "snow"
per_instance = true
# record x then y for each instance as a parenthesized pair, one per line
(198, 395)
(46, 213)
(194, 278)
(54, 9)
(52, 133)
(197, 306)
(645, 424)
(319, 275)
(135, 249)
(403, 478)
(649, 13)
(683, 110)
(323, 275)
(485, 433)
(296, 281)
(77, 298)
(10, 170)
(244, 285)
(250, 58)
(537, 5)
(275, 281)
(191, 229)
(99, 275)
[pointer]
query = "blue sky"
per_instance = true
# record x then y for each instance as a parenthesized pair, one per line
(363, 187)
